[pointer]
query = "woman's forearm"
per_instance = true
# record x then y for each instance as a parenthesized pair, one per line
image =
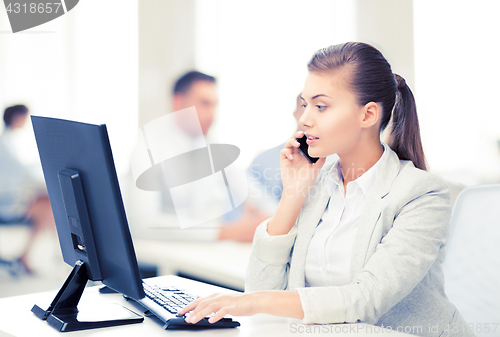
(286, 214)
(279, 302)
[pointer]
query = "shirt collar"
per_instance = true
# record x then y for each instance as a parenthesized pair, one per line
(334, 178)
(365, 181)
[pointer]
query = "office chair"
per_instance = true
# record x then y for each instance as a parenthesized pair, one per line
(472, 264)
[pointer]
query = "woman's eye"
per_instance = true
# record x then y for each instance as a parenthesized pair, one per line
(304, 105)
(321, 107)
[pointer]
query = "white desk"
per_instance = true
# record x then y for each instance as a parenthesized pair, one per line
(223, 262)
(16, 319)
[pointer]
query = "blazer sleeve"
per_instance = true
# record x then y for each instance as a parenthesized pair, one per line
(270, 260)
(401, 260)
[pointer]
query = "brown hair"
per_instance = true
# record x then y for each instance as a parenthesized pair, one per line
(372, 80)
(12, 112)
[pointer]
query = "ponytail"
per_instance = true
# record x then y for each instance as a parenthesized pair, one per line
(404, 137)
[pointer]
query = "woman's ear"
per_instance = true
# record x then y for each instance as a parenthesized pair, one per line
(371, 114)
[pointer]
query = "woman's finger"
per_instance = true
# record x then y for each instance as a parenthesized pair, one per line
(290, 149)
(218, 315)
(291, 144)
(286, 153)
(194, 304)
(200, 312)
(299, 134)
(188, 307)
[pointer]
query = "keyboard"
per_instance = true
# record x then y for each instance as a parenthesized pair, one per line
(173, 299)
(170, 298)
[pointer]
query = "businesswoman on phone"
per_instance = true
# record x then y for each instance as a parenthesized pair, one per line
(362, 239)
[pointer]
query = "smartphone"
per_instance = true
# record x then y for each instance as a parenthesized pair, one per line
(304, 150)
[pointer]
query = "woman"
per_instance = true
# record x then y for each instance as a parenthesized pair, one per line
(362, 239)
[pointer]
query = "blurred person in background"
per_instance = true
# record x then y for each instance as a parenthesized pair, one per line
(23, 198)
(152, 214)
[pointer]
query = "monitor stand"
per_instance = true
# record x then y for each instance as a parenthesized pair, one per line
(63, 314)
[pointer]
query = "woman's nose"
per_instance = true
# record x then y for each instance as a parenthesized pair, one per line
(305, 119)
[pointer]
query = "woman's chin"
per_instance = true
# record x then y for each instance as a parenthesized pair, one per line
(319, 154)
(315, 154)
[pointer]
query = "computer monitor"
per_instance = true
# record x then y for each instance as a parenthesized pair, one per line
(90, 218)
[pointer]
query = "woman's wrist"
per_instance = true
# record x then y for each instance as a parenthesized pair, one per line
(286, 214)
(278, 302)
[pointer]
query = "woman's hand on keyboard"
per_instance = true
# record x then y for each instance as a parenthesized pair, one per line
(220, 305)
(275, 302)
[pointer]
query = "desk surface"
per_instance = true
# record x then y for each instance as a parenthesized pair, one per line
(16, 318)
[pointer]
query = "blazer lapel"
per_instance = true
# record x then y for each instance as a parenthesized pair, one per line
(387, 172)
(364, 233)
(308, 221)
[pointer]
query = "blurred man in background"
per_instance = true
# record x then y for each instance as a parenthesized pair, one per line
(152, 214)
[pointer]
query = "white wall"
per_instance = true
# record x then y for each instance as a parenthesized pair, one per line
(166, 50)
(457, 71)
(81, 66)
(388, 26)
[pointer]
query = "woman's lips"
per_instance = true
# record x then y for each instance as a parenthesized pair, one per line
(311, 139)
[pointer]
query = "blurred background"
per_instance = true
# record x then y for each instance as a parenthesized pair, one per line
(113, 62)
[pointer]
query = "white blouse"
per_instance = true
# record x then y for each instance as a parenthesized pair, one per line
(329, 254)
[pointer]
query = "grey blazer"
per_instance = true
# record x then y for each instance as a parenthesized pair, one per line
(396, 276)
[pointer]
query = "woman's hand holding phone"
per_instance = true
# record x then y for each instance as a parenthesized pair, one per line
(298, 176)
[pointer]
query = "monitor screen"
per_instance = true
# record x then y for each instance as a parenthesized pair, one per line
(86, 202)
